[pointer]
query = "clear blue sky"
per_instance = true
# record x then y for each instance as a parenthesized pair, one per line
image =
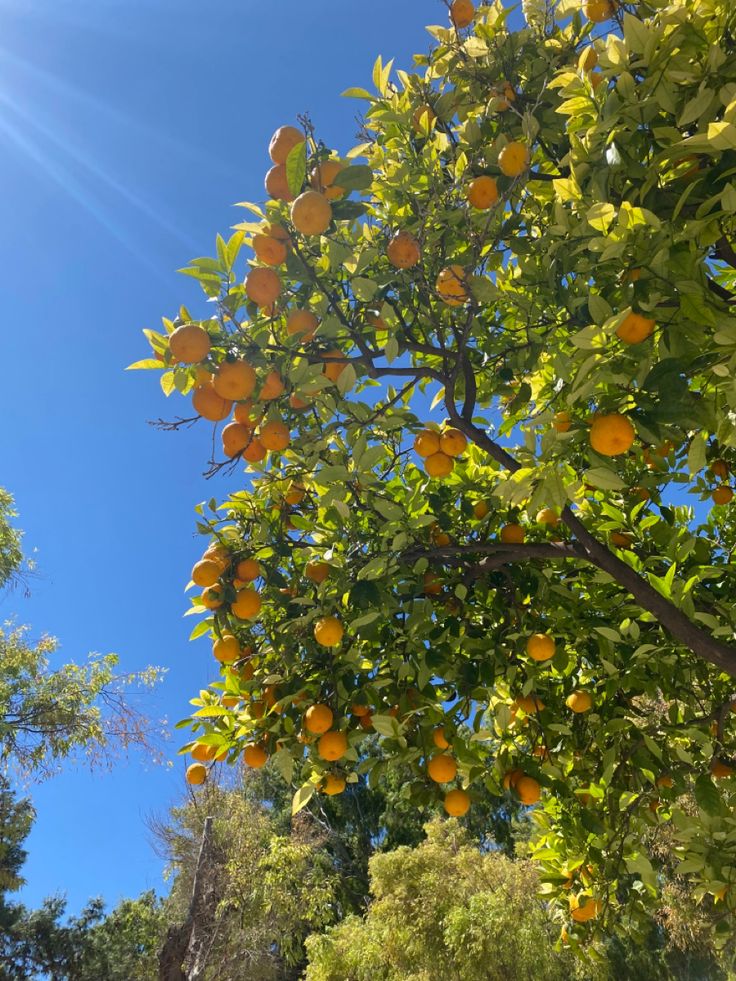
(128, 128)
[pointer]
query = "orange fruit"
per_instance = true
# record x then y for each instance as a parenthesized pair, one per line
(270, 251)
(235, 438)
(328, 631)
(294, 494)
(255, 756)
(212, 597)
(634, 328)
(588, 59)
(317, 571)
(540, 647)
(720, 469)
(302, 322)
(547, 517)
(664, 780)
(422, 119)
(322, 178)
(245, 414)
(206, 572)
(247, 570)
(273, 386)
(451, 286)
(584, 908)
(431, 584)
(599, 10)
(462, 13)
(722, 494)
(360, 711)
(196, 774)
(277, 184)
(227, 649)
(439, 738)
(442, 768)
(262, 286)
(403, 251)
(439, 465)
(332, 745)
(274, 230)
(189, 344)
(512, 534)
(719, 770)
(298, 404)
(528, 790)
(579, 701)
(203, 753)
(376, 321)
(452, 442)
(529, 704)
(247, 603)
(480, 510)
(234, 380)
(208, 404)
(483, 193)
(283, 142)
(511, 778)
(275, 435)
(456, 803)
(513, 160)
(333, 368)
(426, 443)
(311, 213)
(255, 451)
(561, 422)
(611, 434)
(366, 721)
(333, 785)
(621, 539)
(318, 719)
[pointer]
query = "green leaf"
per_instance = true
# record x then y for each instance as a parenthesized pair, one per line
(302, 797)
(603, 478)
(357, 177)
(296, 167)
(706, 794)
(357, 93)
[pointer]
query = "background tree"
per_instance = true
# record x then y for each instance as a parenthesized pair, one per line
(516, 597)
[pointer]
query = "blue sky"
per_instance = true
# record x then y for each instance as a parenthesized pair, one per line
(128, 128)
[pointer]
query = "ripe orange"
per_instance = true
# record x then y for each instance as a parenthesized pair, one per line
(247, 570)
(227, 649)
(297, 404)
(634, 328)
(621, 539)
(262, 286)
(462, 13)
(426, 443)
(439, 738)
(212, 597)
(513, 160)
(247, 603)
(317, 571)
(318, 719)
(665, 780)
(442, 768)
(547, 516)
(255, 451)
(333, 745)
(599, 10)
(719, 770)
(431, 584)
(283, 142)
(483, 193)
(579, 701)
(611, 434)
(540, 647)
(403, 251)
(480, 510)
(311, 213)
(528, 790)
(275, 435)
(376, 321)
(255, 756)
(456, 803)
(322, 178)
(511, 778)
(366, 721)
(720, 469)
(189, 344)
(423, 118)
(561, 422)
(451, 286)
(333, 368)
(270, 251)
(529, 704)
(360, 711)
(512, 534)
(234, 380)
(333, 785)
(453, 442)
(273, 386)
(196, 774)
(245, 414)
(302, 322)
(206, 572)
(208, 404)
(722, 494)
(235, 438)
(204, 753)
(439, 465)
(584, 908)
(294, 494)
(328, 631)
(277, 184)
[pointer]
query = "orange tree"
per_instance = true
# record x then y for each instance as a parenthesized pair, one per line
(533, 243)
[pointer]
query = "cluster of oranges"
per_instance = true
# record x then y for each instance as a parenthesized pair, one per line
(440, 449)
